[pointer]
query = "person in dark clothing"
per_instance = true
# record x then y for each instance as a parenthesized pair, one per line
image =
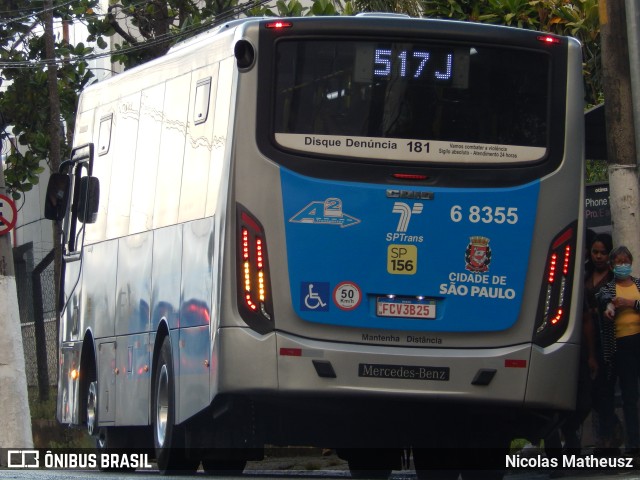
(620, 301)
(596, 377)
(607, 425)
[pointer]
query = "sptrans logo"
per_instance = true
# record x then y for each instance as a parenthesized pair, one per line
(49, 459)
(406, 212)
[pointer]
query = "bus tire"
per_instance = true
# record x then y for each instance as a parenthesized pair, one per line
(92, 408)
(168, 438)
(113, 440)
(107, 439)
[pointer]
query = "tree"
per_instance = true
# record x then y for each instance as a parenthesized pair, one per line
(160, 23)
(577, 18)
(24, 65)
(25, 102)
(146, 29)
(621, 147)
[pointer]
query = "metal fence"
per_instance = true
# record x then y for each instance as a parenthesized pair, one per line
(36, 301)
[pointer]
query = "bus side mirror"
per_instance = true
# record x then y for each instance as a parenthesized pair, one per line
(88, 199)
(55, 206)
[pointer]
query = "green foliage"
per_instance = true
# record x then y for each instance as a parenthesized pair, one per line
(159, 24)
(580, 19)
(410, 7)
(597, 171)
(323, 7)
(41, 409)
(25, 102)
(293, 8)
(47, 432)
(577, 18)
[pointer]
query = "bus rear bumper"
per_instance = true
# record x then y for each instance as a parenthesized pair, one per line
(310, 392)
(521, 376)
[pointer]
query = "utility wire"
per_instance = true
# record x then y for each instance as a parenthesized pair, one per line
(32, 14)
(141, 46)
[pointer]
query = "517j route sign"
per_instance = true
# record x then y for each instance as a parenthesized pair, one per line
(8, 214)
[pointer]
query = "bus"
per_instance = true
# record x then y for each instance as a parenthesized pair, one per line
(362, 233)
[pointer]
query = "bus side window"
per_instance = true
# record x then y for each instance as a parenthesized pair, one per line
(104, 135)
(201, 106)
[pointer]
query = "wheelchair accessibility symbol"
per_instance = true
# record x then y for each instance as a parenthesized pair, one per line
(314, 296)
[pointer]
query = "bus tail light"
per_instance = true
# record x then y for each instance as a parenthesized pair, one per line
(549, 39)
(254, 288)
(278, 24)
(555, 295)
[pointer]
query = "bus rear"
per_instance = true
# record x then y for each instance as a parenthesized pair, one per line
(408, 231)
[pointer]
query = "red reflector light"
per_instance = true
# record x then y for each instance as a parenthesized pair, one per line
(291, 352)
(549, 39)
(279, 24)
(409, 176)
(246, 218)
(566, 236)
(512, 363)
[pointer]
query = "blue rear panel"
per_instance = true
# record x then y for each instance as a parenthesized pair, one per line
(463, 252)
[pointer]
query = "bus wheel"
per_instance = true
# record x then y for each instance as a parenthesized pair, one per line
(223, 467)
(168, 438)
(105, 437)
(113, 440)
(92, 409)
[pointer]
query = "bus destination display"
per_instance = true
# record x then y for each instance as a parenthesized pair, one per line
(417, 64)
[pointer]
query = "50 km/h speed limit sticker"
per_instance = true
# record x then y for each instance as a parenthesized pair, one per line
(347, 295)
(402, 259)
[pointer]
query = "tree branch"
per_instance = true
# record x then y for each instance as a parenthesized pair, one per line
(116, 26)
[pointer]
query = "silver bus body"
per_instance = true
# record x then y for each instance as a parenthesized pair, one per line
(186, 167)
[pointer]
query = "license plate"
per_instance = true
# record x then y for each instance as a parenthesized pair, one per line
(405, 308)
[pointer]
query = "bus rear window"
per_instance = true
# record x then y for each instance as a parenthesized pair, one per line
(412, 101)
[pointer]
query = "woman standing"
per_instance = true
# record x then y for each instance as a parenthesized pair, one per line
(620, 299)
(598, 274)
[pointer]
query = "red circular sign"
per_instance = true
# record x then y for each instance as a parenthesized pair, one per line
(347, 296)
(8, 214)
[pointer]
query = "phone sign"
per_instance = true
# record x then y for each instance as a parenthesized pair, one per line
(402, 259)
(347, 296)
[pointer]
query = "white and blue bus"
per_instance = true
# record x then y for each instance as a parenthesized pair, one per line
(359, 232)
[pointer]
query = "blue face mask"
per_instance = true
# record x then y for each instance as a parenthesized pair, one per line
(622, 271)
